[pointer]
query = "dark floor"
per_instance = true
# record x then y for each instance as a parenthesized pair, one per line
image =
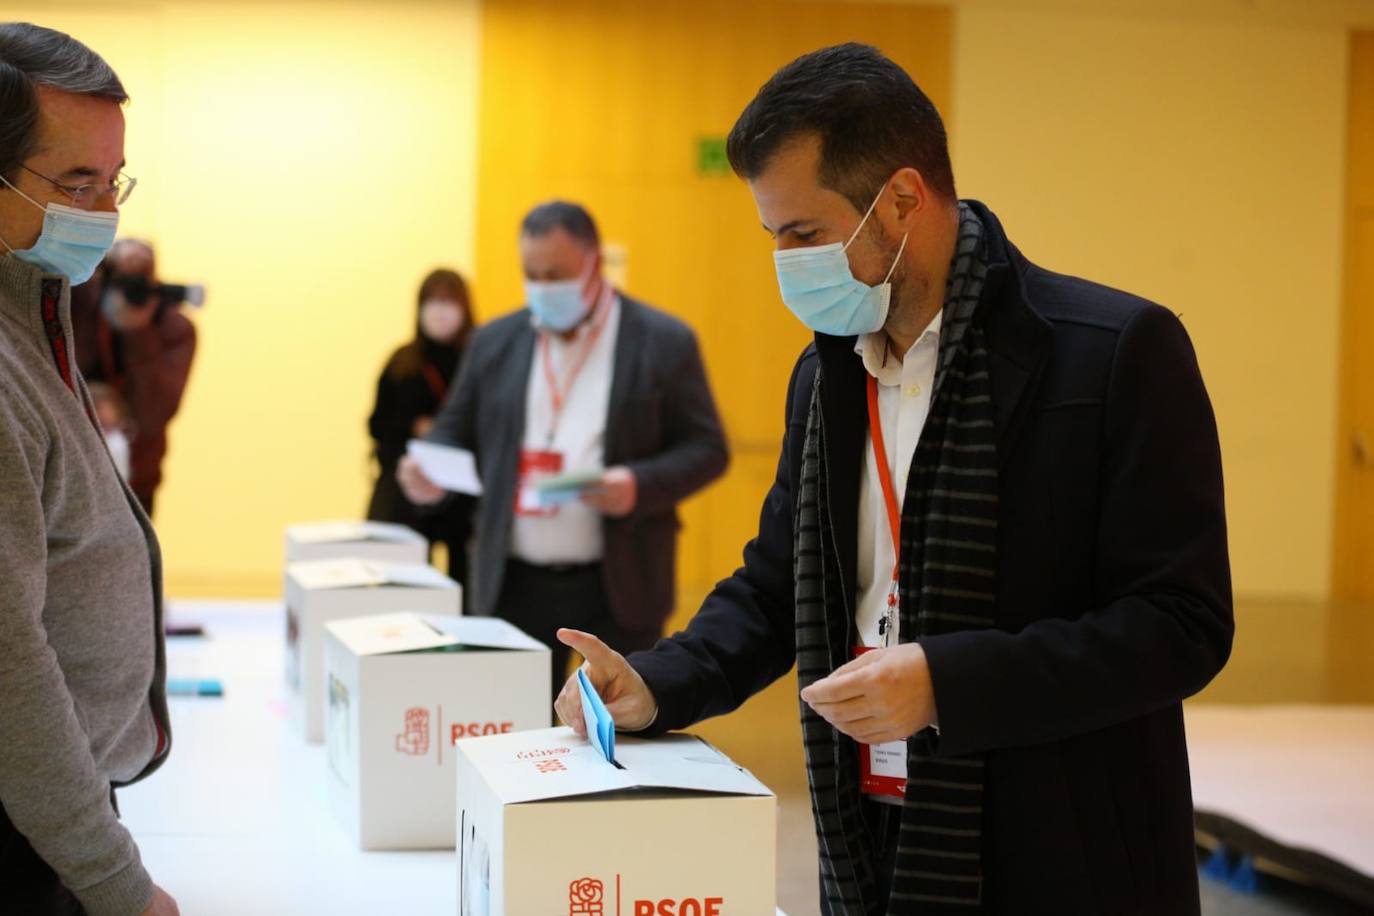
(1275, 899)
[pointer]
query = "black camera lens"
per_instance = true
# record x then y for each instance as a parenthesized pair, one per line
(135, 289)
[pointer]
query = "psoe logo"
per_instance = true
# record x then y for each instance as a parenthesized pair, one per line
(687, 906)
(585, 897)
(415, 739)
(473, 729)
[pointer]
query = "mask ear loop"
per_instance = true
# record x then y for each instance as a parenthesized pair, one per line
(900, 249)
(21, 194)
(3, 241)
(867, 214)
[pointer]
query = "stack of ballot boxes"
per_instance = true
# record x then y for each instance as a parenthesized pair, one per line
(318, 591)
(381, 541)
(402, 689)
(549, 823)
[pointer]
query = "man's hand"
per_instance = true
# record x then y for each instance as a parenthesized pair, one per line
(421, 427)
(418, 488)
(615, 495)
(624, 692)
(883, 695)
(162, 905)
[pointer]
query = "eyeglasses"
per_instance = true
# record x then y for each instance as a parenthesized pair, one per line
(86, 194)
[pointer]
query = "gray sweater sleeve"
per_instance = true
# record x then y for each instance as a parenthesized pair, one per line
(50, 786)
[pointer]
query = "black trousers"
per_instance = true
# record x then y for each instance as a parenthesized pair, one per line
(28, 885)
(540, 599)
(884, 825)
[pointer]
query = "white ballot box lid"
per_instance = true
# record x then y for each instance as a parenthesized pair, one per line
(342, 532)
(674, 762)
(389, 634)
(352, 572)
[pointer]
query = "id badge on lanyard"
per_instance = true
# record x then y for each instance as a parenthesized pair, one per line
(534, 465)
(882, 767)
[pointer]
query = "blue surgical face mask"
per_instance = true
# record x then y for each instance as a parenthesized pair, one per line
(73, 241)
(557, 305)
(820, 289)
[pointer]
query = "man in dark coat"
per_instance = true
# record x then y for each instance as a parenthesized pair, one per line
(995, 547)
(586, 381)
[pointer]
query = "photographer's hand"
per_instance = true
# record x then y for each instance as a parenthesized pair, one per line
(128, 318)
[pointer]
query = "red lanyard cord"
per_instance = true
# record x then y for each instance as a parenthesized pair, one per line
(558, 395)
(437, 386)
(894, 516)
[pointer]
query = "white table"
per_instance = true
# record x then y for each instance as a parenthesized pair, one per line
(237, 821)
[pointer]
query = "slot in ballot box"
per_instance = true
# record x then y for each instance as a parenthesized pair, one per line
(318, 591)
(672, 826)
(380, 541)
(402, 689)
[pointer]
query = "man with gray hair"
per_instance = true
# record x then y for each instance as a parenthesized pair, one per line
(589, 383)
(83, 706)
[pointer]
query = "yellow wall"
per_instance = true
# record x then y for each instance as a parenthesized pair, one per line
(1351, 638)
(603, 101)
(1195, 157)
(309, 162)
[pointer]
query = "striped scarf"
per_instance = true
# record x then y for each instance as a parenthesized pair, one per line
(947, 569)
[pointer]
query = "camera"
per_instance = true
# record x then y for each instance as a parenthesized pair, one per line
(137, 290)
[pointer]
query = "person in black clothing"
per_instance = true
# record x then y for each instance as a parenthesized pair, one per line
(995, 549)
(412, 387)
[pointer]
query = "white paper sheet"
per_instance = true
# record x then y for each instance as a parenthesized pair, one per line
(451, 468)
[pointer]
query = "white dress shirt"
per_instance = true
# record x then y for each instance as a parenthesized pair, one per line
(904, 393)
(573, 534)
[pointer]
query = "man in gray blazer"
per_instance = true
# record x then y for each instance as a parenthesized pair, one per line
(583, 381)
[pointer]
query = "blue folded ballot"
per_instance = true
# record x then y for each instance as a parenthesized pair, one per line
(600, 725)
(560, 489)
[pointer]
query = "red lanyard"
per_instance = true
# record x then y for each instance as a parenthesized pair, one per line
(51, 293)
(436, 382)
(558, 396)
(894, 516)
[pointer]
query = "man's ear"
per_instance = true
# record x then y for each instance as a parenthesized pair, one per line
(910, 195)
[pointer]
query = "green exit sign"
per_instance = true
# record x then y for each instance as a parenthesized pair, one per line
(711, 158)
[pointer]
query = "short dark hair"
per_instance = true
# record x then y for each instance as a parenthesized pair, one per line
(572, 218)
(871, 117)
(32, 57)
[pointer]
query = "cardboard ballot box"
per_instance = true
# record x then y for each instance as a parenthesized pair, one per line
(366, 540)
(672, 827)
(318, 591)
(402, 689)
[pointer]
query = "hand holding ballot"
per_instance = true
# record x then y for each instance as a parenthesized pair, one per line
(614, 494)
(626, 696)
(429, 471)
(417, 488)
